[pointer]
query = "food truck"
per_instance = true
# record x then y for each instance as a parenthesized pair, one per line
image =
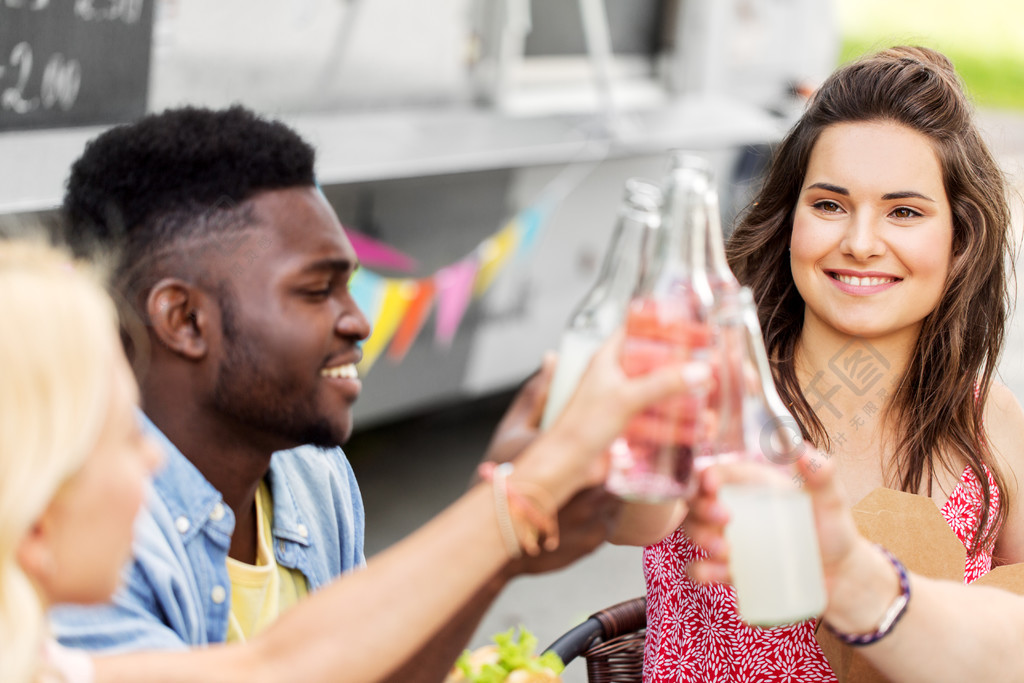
(476, 150)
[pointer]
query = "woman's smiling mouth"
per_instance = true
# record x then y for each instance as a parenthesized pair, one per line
(864, 283)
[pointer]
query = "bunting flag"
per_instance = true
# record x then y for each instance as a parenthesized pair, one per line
(376, 254)
(397, 294)
(398, 308)
(493, 252)
(530, 221)
(454, 290)
(415, 316)
(366, 287)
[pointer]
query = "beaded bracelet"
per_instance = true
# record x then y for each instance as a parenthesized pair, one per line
(522, 514)
(892, 614)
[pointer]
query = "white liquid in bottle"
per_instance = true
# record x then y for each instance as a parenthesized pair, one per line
(773, 550)
(574, 354)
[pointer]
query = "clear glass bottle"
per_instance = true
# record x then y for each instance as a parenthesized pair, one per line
(726, 430)
(723, 280)
(668, 321)
(774, 559)
(603, 308)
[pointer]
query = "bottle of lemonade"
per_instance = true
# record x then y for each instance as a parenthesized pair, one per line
(774, 558)
(668, 321)
(604, 306)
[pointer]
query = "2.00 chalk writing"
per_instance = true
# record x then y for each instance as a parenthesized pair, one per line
(58, 87)
(128, 11)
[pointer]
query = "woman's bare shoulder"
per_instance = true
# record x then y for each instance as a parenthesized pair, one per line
(1004, 425)
(1004, 429)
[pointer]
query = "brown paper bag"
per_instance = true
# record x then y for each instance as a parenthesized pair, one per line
(912, 528)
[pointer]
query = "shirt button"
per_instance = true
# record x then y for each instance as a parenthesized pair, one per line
(218, 594)
(303, 531)
(182, 524)
(217, 513)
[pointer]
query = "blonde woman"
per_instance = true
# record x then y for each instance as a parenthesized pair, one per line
(73, 467)
(73, 462)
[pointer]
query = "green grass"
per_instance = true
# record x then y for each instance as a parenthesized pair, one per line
(983, 38)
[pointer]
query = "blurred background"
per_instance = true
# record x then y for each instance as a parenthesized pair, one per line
(477, 151)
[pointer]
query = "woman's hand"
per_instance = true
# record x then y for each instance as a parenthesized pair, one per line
(838, 537)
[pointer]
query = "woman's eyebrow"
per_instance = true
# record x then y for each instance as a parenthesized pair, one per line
(906, 194)
(829, 187)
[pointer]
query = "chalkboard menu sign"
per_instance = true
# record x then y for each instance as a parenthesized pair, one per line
(73, 62)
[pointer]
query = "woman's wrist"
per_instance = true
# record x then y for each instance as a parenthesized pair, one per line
(862, 589)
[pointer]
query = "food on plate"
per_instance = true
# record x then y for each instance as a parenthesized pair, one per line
(511, 659)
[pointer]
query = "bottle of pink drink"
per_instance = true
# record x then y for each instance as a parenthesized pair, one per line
(724, 411)
(668, 321)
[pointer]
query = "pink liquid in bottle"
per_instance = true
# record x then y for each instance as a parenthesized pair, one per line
(653, 459)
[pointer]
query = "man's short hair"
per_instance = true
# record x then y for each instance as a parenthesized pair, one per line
(142, 190)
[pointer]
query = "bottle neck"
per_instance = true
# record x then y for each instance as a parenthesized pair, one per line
(683, 243)
(775, 432)
(603, 307)
(717, 266)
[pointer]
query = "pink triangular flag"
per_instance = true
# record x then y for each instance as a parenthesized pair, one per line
(454, 289)
(374, 254)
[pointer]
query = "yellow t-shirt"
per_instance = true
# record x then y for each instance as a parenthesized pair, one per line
(261, 592)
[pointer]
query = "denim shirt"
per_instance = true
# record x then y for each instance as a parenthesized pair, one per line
(176, 593)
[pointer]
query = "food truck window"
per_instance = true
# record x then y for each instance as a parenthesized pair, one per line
(635, 25)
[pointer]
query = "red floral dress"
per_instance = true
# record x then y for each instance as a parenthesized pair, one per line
(695, 634)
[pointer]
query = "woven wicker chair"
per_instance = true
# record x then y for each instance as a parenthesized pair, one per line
(611, 641)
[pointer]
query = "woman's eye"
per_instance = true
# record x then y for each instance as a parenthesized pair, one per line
(827, 206)
(318, 293)
(905, 212)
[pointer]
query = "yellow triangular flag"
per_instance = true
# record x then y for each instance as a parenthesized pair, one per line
(394, 302)
(493, 253)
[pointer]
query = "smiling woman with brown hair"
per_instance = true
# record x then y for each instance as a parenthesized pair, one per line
(876, 251)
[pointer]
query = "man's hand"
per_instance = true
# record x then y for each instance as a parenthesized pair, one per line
(584, 523)
(520, 424)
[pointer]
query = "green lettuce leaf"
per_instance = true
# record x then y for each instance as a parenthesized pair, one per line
(515, 651)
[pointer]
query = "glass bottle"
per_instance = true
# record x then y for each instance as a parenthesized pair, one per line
(725, 432)
(723, 280)
(603, 308)
(668, 321)
(774, 560)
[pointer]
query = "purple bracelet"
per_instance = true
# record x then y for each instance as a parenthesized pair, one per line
(892, 614)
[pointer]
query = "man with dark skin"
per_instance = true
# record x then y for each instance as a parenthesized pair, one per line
(239, 269)
(230, 383)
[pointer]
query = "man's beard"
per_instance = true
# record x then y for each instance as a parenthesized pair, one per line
(244, 393)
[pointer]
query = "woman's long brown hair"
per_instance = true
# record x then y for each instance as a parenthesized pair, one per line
(938, 415)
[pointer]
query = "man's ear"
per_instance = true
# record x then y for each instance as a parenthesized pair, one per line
(178, 314)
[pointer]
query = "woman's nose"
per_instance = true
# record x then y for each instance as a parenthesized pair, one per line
(861, 239)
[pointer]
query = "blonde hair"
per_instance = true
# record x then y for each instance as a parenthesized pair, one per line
(57, 348)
